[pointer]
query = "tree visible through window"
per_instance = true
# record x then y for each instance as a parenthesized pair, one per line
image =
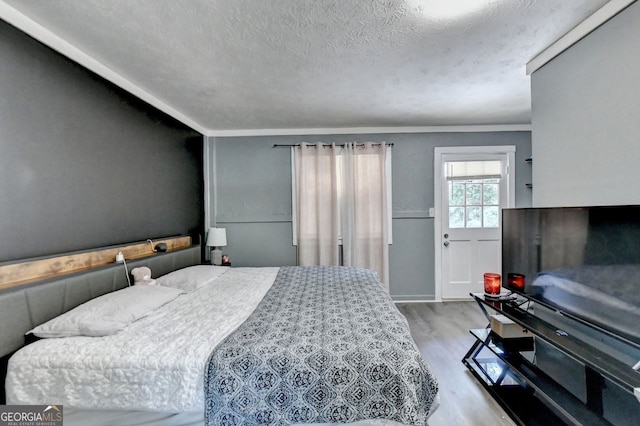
(474, 203)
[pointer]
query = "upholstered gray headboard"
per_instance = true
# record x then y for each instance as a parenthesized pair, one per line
(24, 308)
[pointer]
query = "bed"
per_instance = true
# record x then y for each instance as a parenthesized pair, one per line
(243, 346)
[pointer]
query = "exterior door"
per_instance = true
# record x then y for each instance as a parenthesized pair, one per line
(474, 185)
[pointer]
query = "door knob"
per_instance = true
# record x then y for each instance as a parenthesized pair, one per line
(446, 243)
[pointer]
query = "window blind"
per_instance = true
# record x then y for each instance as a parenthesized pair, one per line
(478, 169)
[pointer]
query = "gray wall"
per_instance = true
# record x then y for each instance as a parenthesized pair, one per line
(84, 165)
(586, 128)
(251, 197)
(586, 119)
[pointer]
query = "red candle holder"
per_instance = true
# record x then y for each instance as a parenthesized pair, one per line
(492, 283)
(515, 281)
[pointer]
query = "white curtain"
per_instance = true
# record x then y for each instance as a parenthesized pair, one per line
(342, 195)
(366, 244)
(316, 208)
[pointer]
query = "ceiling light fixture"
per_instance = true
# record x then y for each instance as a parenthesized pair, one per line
(450, 9)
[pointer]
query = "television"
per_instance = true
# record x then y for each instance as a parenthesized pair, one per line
(583, 262)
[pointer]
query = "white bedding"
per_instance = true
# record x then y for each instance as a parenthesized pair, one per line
(156, 363)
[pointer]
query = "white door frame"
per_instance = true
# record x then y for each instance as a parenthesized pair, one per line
(438, 176)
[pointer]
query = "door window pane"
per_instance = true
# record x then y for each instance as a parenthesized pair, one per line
(456, 217)
(474, 194)
(490, 194)
(474, 217)
(456, 194)
(491, 216)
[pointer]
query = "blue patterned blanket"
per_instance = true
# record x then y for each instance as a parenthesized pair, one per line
(326, 344)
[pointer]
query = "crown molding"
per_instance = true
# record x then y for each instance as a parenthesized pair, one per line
(55, 42)
(586, 27)
(371, 130)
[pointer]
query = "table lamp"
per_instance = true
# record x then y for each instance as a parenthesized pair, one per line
(217, 238)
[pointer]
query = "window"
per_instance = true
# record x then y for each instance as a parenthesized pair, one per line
(335, 174)
(342, 205)
(474, 203)
(474, 194)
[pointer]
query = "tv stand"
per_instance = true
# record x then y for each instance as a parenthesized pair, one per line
(509, 370)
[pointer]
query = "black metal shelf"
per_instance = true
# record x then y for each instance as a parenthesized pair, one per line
(559, 405)
(507, 367)
(612, 368)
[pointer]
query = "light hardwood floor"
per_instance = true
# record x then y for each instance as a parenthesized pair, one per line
(441, 331)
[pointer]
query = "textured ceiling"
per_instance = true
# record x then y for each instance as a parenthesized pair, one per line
(288, 64)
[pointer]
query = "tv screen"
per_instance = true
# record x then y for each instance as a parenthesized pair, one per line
(581, 261)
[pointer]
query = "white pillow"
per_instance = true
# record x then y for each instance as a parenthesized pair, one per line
(191, 277)
(109, 313)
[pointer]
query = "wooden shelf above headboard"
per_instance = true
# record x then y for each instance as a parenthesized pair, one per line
(16, 274)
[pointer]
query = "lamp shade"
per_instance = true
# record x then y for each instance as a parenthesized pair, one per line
(217, 237)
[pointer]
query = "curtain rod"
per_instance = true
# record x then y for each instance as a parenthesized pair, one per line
(327, 144)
